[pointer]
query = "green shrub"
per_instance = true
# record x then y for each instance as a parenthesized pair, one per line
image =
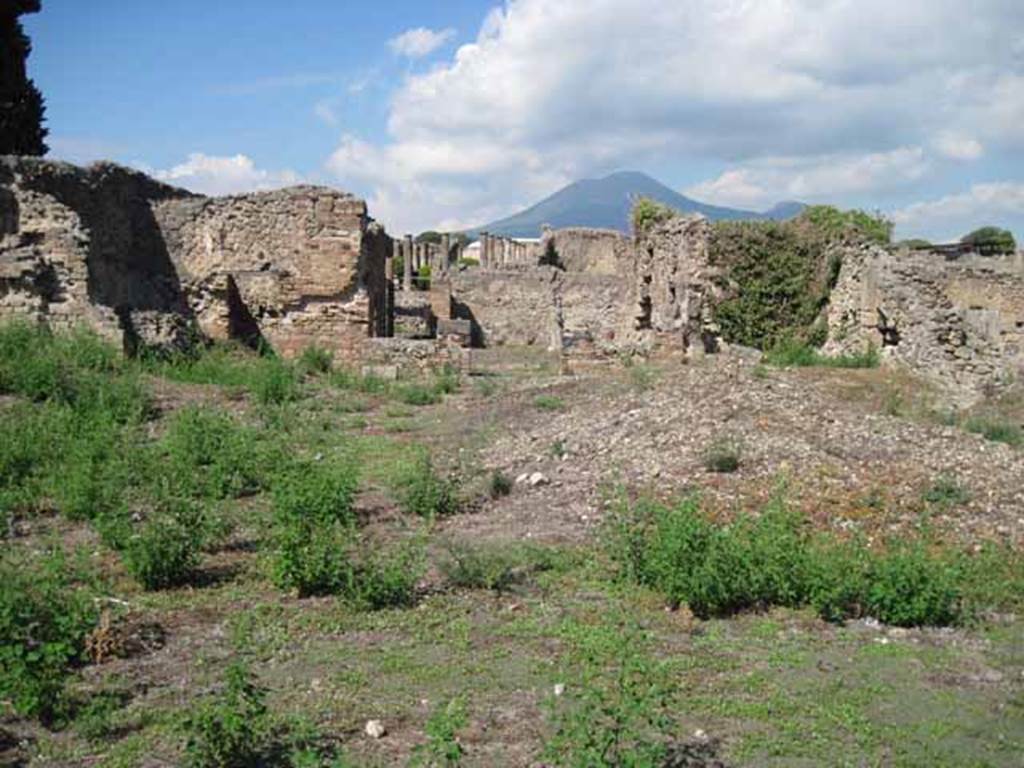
(723, 455)
(94, 720)
(45, 616)
(231, 729)
(419, 491)
(947, 492)
(849, 225)
(317, 491)
(442, 748)
(316, 359)
(774, 560)
(548, 403)
(500, 484)
(274, 382)
(991, 241)
(447, 380)
(615, 708)
(996, 430)
(212, 456)
(492, 566)
(163, 553)
(311, 556)
(387, 577)
(647, 213)
(418, 394)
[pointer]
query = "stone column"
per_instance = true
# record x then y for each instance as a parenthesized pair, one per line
(446, 252)
(483, 250)
(407, 268)
(389, 288)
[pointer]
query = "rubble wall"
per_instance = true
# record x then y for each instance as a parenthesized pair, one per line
(145, 262)
(960, 322)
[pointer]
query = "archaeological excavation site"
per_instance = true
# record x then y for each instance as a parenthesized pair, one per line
(286, 482)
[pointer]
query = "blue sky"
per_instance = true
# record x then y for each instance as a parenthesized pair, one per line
(449, 114)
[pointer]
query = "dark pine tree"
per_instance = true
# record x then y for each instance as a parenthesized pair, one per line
(21, 105)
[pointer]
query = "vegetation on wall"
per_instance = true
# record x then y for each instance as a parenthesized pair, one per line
(779, 274)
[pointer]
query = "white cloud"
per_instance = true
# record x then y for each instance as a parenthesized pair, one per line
(807, 179)
(958, 147)
(420, 42)
(324, 110)
(837, 90)
(949, 217)
(212, 175)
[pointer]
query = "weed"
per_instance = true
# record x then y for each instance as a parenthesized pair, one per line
(614, 710)
(163, 553)
(947, 492)
(486, 387)
(316, 491)
(316, 360)
(549, 403)
(418, 394)
(45, 616)
(387, 578)
(232, 728)
(642, 376)
(789, 352)
(421, 492)
(442, 749)
(996, 430)
(274, 383)
(489, 566)
(94, 720)
(558, 449)
(311, 556)
(500, 484)
(723, 455)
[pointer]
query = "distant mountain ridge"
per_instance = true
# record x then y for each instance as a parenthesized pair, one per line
(606, 203)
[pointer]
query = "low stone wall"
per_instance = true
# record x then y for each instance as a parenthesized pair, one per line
(960, 322)
(593, 251)
(142, 261)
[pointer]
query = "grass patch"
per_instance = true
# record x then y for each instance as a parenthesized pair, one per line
(420, 491)
(775, 560)
(790, 353)
(996, 430)
(723, 455)
(496, 567)
(548, 403)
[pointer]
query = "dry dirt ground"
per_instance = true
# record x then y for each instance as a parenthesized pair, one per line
(856, 450)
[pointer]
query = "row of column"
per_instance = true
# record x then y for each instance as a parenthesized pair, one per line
(415, 256)
(498, 252)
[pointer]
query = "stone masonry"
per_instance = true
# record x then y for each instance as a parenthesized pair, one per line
(148, 264)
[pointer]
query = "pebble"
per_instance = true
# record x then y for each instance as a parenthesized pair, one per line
(375, 729)
(538, 478)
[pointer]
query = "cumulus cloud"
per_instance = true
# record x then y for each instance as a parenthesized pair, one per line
(419, 42)
(213, 175)
(949, 217)
(551, 91)
(827, 177)
(958, 147)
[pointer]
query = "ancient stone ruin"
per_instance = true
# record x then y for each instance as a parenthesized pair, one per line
(151, 265)
(157, 267)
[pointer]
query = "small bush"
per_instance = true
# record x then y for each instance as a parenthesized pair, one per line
(442, 748)
(723, 455)
(311, 556)
(495, 567)
(318, 491)
(996, 430)
(387, 578)
(647, 213)
(163, 553)
(991, 241)
(447, 381)
(274, 383)
(615, 709)
(418, 394)
(500, 484)
(774, 560)
(947, 492)
(421, 492)
(231, 729)
(548, 403)
(45, 616)
(94, 719)
(316, 359)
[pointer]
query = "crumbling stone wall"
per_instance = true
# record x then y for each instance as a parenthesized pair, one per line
(147, 263)
(593, 251)
(960, 322)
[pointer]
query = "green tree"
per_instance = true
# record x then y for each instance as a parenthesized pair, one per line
(21, 105)
(991, 241)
